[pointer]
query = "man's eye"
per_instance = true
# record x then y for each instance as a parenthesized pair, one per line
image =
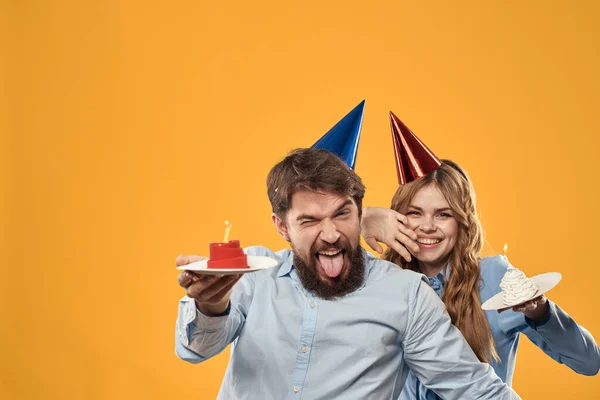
(342, 213)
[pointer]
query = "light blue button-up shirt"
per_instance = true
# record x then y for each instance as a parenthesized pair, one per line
(288, 344)
(558, 336)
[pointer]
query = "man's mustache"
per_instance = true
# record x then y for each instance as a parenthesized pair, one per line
(339, 245)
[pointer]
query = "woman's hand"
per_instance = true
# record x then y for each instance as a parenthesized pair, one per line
(388, 226)
(536, 309)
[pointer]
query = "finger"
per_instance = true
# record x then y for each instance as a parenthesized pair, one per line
(400, 217)
(401, 250)
(531, 305)
(186, 278)
(408, 232)
(182, 260)
(224, 292)
(221, 286)
(204, 290)
(541, 300)
(407, 242)
(185, 259)
(199, 277)
(373, 244)
(196, 288)
(520, 307)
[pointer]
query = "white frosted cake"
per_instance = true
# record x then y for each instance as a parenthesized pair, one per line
(516, 287)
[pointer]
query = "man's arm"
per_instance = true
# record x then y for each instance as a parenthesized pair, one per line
(212, 314)
(440, 357)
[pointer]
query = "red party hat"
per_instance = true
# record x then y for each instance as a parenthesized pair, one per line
(413, 159)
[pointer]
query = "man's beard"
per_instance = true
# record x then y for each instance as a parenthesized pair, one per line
(346, 282)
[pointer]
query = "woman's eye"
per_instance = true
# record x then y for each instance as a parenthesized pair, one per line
(412, 213)
(445, 215)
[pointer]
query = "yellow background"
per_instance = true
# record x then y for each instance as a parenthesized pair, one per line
(135, 128)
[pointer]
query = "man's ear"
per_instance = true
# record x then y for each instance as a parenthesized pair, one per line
(281, 227)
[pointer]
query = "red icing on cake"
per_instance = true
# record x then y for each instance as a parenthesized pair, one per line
(227, 256)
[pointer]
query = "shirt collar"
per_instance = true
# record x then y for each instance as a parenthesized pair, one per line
(287, 265)
(437, 282)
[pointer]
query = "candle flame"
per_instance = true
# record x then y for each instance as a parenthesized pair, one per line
(227, 230)
(505, 250)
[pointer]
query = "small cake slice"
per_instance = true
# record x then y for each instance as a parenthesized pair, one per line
(227, 255)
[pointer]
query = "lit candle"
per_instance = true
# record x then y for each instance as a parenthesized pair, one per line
(227, 254)
(504, 251)
(227, 230)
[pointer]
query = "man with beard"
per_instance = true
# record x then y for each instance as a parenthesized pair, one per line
(331, 321)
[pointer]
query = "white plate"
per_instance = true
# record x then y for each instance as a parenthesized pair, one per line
(256, 263)
(544, 283)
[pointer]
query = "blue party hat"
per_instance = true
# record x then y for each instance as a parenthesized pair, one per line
(343, 138)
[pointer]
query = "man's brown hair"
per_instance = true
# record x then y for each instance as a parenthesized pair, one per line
(311, 170)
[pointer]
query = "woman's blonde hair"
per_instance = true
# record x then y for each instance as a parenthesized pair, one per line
(461, 288)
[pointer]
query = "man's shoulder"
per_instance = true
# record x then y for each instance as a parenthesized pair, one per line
(266, 252)
(382, 270)
(282, 257)
(394, 286)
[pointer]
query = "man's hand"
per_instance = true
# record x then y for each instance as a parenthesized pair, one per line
(211, 292)
(388, 226)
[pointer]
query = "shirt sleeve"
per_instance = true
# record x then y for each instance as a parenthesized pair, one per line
(559, 336)
(440, 357)
(565, 341)
(199, 337)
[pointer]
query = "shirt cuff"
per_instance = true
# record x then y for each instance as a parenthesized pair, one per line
(223, 314)
(207, 323)
(535, 325)
(191, 320)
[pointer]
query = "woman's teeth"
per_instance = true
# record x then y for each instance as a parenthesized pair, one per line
(428, 241)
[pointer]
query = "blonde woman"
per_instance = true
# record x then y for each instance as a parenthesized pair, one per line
(435, 217)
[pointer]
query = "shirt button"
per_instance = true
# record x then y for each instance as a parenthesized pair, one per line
(296, 389)
(304, 349)
(313, 305)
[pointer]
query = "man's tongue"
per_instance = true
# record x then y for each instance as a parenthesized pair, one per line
(332, 265)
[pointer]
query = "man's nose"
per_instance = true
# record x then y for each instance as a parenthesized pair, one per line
(329, 232)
